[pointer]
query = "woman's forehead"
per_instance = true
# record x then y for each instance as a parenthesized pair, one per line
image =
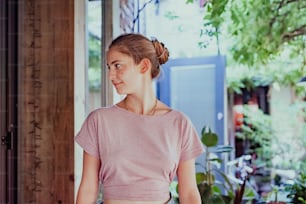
(114, 54)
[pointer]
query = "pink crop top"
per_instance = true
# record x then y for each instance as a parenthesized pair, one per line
(139, 154)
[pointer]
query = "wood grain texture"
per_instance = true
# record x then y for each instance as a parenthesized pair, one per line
(46, 167)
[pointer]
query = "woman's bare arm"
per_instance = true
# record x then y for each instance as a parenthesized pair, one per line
(89, 186)
(188, 190)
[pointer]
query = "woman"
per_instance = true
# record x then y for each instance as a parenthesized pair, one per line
(136, 147)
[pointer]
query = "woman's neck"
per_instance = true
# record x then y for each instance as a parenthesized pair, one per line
(143, 105)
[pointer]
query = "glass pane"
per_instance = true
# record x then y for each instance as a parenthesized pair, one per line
(94, 21)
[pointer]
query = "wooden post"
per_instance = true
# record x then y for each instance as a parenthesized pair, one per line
(46, 102)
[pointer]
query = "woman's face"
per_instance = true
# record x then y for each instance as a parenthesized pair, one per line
(123, 72)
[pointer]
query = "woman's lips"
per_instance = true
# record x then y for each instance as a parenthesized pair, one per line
(117, 83)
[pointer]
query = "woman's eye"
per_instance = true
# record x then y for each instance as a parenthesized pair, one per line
(117, 66)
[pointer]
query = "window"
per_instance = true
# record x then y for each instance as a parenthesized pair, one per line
(94, 38)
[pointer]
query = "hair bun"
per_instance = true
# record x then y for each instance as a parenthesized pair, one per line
(162, 52)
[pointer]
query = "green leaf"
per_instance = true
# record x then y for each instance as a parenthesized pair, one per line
(216, 189)
(200, 177)
(216, 159)
(248, 193)
(209, 138)
(205, 191)
(217, 199)
(226, 179)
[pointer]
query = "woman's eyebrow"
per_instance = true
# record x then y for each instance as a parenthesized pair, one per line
(114, 62)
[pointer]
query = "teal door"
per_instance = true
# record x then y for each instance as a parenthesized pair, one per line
(196, 86)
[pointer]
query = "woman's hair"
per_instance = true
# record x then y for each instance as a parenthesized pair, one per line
(139, 47)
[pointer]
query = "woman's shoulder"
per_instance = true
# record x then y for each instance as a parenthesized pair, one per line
(181, 116)
(102, 111)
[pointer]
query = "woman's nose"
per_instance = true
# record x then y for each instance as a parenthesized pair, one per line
(111, 74)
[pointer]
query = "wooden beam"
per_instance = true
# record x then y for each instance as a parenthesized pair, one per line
(46, 102)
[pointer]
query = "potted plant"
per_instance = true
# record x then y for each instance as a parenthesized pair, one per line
(215, 186)
(211, 189)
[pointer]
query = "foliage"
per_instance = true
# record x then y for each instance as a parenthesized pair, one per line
(277, 140)
(278, 195)
(260, 29)
(263, 38)
(215, 186)
(94, 46)
(257, 129)
(282, 72)
(297, 191)
(289, 130)
(94, 71)
(208, 186)
(236, 83)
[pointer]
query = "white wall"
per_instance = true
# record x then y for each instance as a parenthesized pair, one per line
(80, 80)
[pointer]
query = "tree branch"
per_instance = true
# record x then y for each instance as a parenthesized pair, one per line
(273, 20)
(297, 32)
(290, 35)
(139, 11)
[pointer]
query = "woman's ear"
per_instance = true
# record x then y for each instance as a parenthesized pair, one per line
(145, 65)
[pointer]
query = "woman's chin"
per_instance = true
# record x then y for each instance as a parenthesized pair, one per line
(120, 92)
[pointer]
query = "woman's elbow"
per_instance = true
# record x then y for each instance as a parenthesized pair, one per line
(87, 195)
(190, 197)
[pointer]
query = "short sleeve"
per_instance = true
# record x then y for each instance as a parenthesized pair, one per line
(192, 146)
(87, 137)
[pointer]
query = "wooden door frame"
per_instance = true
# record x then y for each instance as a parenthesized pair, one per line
(3, 70)
(9, 93)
